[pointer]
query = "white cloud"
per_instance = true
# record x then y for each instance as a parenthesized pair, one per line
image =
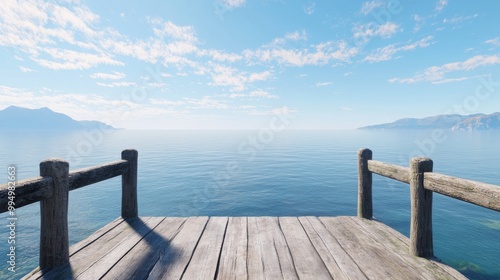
(71, 60)
(459, 19)
(117, 84)
(322, 84)
(108, 76)
(220, 55)
(441, 4)
(166, 102)
(234, 3)
(436, 74)
(206, 103)
(309, 9)
(387, 52)
(26, 70)
(346, 109)
(255, 93)
(320, 54)
(232, 77)
(369, 30)
(182, 33)
(495, 42)
(369, 6)
(285, 110)
(450, 80)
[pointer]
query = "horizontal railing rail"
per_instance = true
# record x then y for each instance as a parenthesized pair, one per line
(52, 189)
(423, 182)
(35, 189)
(481, 194)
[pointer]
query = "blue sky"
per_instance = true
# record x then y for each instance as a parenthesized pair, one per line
(221, 64)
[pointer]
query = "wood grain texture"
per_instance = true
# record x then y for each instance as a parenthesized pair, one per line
(246, 248)
(392, 171)
(54, 239)
(139, 261)
(481, 194)
(91, 175)
(308, 264)
(203, 264)
(233, 258)
(173, 263)
(129, 185)
(337, 260)
(421, 243)
(365, 204)
(27, 191)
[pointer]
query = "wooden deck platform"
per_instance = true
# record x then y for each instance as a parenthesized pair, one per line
(246, 248)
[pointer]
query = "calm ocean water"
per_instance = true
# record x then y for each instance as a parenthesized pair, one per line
(254, 173)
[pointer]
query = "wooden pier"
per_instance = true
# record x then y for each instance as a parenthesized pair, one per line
(133, 247)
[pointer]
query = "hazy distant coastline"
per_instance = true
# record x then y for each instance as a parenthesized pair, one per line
(454, 122)
(18, 118)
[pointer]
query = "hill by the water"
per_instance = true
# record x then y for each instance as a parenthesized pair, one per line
(18, 118)
(454, 122)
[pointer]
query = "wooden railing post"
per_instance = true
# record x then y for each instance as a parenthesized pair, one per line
(129, 185)
(365, 208)
(421, 243)
(54, 241)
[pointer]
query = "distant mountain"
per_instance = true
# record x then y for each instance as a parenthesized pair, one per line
(18, 118)
(454, 122)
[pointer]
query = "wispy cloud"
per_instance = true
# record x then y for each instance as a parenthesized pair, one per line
(388, 52)
(322, 84)
(346, 109)
(369, 30)
(459, 19)
(255, 93)
(206, 103)
(436, 74)
(369, 6)
(495, 41)
(117, 84)
(320, 54)
(309, 8)
(441, 4)
(232, 77)
(108, 76)
(234, 3)
(25, 69)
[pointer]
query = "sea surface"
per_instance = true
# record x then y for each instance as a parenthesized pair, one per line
(262, 173)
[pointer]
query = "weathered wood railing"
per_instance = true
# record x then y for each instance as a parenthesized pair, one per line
(423, 182)
(52, 188)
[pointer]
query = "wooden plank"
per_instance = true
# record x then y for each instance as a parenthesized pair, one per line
(268, 254)
(399, 245)
(481, 194)
(36, 273)
(392, 171)
(308, 263)
(139, 261)
(373, 261)
(233, 259)
(102, 265)
(85, 257)
(27, 191)
(338, 261)
(174, 261)
(203, 264)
